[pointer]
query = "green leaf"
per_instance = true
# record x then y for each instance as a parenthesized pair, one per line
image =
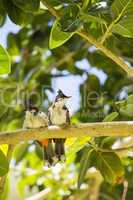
(27, 5)
(20, 151)
(130, 99)
(4, 165)
(126, 106)
(121, 30)
(5, 61)
(75, 145)
(90, 18)
(2, 13)
(14, 124)
(127, 110)
(12, 45)
(110, 166)
(107, 142)
(39, 150)
(6, 191)
(84, 165)
(122, 7)
(58, 37)
(123, 11)
(124, 27)
(17, 15)
(111, 117)
(70, 21)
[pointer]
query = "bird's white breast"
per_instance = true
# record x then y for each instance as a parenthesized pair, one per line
(57, 116)
(37, 121)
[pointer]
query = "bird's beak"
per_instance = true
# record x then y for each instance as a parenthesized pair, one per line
(68, 97)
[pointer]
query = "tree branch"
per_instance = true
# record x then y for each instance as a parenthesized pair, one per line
(108, 32)
(124, 128)
(119, 61)
(51, 9)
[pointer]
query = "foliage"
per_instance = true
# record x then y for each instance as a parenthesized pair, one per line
(105, 91)
(4, 166)
(58, 37)
(108, 163)
(5, 62)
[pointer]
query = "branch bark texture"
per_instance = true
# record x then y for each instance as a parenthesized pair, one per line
(124, 128)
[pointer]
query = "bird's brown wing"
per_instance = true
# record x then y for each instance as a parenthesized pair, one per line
(68, 121)
(49, 118)
(67, 115)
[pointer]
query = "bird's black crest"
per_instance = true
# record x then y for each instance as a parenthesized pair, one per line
(61, 95)
(29, 105)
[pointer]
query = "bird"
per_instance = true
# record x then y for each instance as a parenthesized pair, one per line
(35, 118)
(58, 114)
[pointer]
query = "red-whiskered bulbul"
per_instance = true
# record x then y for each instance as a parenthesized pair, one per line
(35, 118)
(58, 114)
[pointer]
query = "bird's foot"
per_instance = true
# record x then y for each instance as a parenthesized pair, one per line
(55, 160)
(27, 127)
(65, 126)
(48, 164)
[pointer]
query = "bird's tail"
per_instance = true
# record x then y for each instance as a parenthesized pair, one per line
(48, 152)
(60, 149)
